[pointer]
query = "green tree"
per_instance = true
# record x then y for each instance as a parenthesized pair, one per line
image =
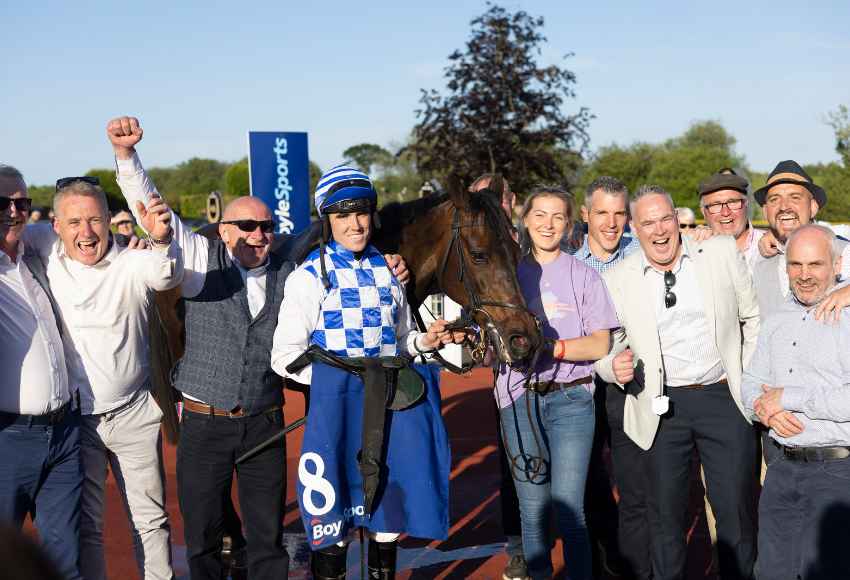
(839, 120)
(368, 155)
(631, 164)
(236, 179)
(114, 197)
(198, 176)
(502, 110)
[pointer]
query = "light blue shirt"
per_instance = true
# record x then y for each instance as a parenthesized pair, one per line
(808, 359)
(626, 246)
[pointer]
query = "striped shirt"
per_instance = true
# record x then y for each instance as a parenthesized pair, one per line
(808, 359)
(626, 246)
(688, 351)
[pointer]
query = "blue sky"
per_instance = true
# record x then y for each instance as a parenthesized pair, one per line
(200, 75)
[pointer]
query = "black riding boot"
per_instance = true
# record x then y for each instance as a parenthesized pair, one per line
(382, 556)
(329, 563)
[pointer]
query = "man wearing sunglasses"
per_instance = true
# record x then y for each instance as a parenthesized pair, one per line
(683, 307)
(103, 294)
(39, 417)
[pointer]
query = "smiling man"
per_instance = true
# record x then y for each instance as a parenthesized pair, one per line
(684, 307)
(103, 295)
(725, 207)
(790, 200)
(798, 385)
(39, 417)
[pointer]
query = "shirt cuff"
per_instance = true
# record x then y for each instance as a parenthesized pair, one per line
(793, 398)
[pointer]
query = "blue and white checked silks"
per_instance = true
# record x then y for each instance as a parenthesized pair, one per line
(359, 313)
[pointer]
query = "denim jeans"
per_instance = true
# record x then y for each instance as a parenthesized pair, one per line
(549, 439)
(42, 475)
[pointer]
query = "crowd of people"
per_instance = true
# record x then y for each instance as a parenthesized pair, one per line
(666, 343)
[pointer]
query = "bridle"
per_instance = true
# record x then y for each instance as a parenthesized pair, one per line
(476, 305)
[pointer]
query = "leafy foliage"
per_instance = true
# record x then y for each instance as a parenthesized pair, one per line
(502, 111)
(368, 155)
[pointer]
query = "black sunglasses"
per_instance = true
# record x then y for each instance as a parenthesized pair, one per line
(21, 203)
(669, 282)
(266, 226)
(683, 226)
(66, 181)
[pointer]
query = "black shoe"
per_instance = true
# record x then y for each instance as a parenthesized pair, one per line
(329, 563)
(516, 569)
(382, 560)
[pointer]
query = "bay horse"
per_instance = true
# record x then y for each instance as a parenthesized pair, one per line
(458, 243)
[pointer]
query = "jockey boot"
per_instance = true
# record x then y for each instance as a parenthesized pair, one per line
(329, 563)
(382, 558)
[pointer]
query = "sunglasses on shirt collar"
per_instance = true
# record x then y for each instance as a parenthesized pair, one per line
(669, 282)
(22, 204)
(66, 181)
(266, 226)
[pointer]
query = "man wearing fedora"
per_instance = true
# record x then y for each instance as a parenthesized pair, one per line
(726, 209)
(791, 199)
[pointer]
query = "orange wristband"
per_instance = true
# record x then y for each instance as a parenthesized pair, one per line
(559, 350)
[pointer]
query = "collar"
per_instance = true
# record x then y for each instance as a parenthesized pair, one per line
(5, 257)
(646, 266)
(584, 252)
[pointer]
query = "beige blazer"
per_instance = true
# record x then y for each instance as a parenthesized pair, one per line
(730, 307)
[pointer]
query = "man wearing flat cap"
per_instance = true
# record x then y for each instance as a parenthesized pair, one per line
(725, 207)
(790, 200)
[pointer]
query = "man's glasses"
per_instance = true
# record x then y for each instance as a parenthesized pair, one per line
(686, 226)
(266, 226)
(731, 205)
(669, 282)
(22, 204)
(66, 181)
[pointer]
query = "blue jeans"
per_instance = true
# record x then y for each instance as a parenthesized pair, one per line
(549, 439)
(42, 475)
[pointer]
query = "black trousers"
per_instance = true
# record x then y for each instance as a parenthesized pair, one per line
(631, 474)
(706, 419)
(206, 454)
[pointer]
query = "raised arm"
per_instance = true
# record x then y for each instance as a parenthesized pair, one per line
(124, 134)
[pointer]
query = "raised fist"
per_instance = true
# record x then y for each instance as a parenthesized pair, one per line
(124, 133)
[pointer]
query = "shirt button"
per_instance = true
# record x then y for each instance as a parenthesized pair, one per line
(790, 371)
(794, 343)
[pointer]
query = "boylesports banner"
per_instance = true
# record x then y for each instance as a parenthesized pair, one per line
(280, 175)
(413, 496)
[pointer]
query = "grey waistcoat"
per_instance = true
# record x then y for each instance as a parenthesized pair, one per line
(227, 360)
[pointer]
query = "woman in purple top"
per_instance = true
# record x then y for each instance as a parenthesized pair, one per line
(547, 412)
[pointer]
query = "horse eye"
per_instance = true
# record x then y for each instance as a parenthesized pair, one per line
(479, 257)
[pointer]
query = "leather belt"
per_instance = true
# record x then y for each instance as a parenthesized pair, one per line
(813, 453)
(51, 418)
(697, 387)
(204, 409)
(550, 386)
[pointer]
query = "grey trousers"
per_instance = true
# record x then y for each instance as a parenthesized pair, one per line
(127, 441)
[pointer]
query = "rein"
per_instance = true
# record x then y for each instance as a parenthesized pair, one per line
(476, 305)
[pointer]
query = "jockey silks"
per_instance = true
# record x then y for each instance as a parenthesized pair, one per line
(412, 497)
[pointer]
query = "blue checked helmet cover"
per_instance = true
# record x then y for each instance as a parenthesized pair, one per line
(343, 183)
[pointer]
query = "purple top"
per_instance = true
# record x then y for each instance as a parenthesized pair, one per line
(571, 300)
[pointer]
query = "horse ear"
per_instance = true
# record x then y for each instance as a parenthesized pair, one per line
(457, 193)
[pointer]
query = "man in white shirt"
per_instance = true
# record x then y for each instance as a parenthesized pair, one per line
(39, 422)
(104, 295)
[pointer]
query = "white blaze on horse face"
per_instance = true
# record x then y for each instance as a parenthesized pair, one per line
(546, 223)
(351, 230)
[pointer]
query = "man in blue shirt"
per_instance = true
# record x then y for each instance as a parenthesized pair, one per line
(617, 529)
(798, 385)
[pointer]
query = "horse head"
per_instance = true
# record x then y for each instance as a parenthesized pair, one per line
(479, 258)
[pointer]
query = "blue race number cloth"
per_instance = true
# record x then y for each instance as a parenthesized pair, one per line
(413, 496)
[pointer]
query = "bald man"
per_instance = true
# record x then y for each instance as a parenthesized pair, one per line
(232, 292)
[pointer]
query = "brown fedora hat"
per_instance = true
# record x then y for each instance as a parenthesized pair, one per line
(791, 172)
